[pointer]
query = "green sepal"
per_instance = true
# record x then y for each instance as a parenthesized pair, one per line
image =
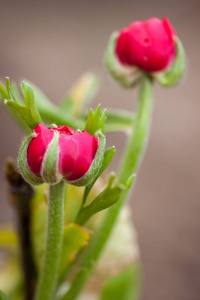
(49, 169)
(109, 196)
(23, 163)
(176, 71)
(128, 76)
(95, 121)
(108, 156)
(96, 164)
(28, 112)
(3, 296)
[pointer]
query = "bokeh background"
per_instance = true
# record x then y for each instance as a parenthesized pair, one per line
(52, 43)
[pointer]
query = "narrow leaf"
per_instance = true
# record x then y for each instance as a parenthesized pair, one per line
(109, 196)
(3, 92)
(28, 112)
(95, 121)
(29, 98)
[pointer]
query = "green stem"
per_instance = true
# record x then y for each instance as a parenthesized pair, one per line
(129, 165)
(49, 274)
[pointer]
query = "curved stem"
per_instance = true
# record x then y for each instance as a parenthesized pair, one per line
(132, 157)
(49, 273)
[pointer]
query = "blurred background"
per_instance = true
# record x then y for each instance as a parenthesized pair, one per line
(52, 43)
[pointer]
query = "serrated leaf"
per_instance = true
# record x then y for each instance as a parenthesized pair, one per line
(42, 101)
(125, 286)
(74, 239)
(28, 112)
(95, 121)
(15, 94)
(108, 156)
(12, 92)
(109, 196)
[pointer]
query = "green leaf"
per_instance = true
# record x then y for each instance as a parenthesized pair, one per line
(12, 92)
(52, 112)
(3, 92)
(3, 296)
(109, 196)
(95, 121)
(177, 69)
(82, 93)
(28, 112)
(15, 94)
(108, 156)
(74, 239)
(41, 100)
(125, 286)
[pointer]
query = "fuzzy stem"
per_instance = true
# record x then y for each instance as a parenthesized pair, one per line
(49, 274)
(132, 157)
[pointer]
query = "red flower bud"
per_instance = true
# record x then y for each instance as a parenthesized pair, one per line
(75, 151)
(148, 45)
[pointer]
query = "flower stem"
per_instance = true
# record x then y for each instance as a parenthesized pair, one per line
(49, 273)
(132, 157)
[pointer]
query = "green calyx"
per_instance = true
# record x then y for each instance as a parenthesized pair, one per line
(176, 71)
(96, 164)
(23, 163)
(127, 76)
(49, 170)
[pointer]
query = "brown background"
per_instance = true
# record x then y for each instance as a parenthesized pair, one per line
(52, 43)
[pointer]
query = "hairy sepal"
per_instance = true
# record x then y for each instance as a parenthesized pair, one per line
(49, 171)
(96, 164)
(23, 163)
